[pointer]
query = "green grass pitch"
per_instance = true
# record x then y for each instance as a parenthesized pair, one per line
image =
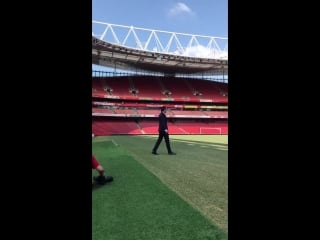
(169, 197)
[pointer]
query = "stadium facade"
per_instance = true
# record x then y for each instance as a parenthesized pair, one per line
(151, 68)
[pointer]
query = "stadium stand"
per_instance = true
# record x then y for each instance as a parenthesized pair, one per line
(128, 102)
(123, 113)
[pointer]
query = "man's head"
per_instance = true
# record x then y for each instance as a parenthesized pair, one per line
(163, 109)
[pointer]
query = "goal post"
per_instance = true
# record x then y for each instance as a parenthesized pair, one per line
(205, 130)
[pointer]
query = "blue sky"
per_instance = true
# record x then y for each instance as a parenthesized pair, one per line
(200, 17)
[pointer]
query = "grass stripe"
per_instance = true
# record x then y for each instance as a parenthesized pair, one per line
(137, 205)
(198, 175)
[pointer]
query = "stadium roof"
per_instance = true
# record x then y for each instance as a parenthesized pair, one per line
(139, 56)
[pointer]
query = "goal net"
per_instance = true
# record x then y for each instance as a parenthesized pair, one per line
(210, 130)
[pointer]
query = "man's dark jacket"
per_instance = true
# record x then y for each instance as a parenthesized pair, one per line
(162, 122)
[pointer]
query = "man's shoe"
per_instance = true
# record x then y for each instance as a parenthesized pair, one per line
(108, 179)
(154, 153)
(172, 153)
(102, 179)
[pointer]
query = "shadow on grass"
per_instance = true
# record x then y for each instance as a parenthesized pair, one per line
(96, 186)
(189, 141)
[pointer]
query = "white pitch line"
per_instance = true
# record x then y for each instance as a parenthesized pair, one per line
(114, 143)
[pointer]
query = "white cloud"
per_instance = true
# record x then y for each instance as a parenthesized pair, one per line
(180, 8)
(203, 52)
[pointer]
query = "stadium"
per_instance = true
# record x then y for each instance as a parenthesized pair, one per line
(160, 197)
(128, 103)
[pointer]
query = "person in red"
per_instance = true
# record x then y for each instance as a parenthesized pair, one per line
(101, 179)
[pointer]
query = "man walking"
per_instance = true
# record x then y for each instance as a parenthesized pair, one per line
(163, 132)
